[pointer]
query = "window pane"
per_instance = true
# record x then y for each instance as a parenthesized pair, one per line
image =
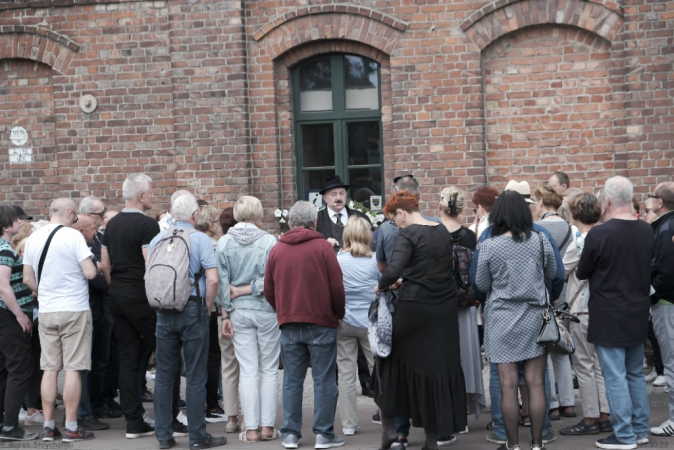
(318, 145)
(316, 85)
(364, 184)
(363, 141)
(362, 82)
(313, 182)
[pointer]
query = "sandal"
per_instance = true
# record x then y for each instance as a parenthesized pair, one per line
(563, 413)
(274, 435)
(580, 429)
(605, 426)
(243, 436)
(553, 414)
(525, 420)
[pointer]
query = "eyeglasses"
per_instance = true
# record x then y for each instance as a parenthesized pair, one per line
(100, 214)
(75, 216)
(396, 179)
(654, 196)
(393, 218)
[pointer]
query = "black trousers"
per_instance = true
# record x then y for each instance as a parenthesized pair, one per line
(33, 399)
(213, 366)
(16, 367)
(657, 356)
(136, 325)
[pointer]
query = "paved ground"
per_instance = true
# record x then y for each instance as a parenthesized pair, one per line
(367, 436)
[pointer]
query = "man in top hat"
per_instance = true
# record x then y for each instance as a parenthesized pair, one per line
(332, 220)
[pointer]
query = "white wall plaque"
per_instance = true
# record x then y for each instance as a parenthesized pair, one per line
(18, 136)
(20, 155)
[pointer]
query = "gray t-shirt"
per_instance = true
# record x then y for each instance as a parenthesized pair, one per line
(387, 239)
(559, 230)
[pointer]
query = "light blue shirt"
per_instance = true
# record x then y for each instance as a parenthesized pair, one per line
(201, 254)
(360, 277)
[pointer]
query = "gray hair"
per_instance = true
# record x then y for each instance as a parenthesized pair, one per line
(601, 196)
(620, 190)
(184, 206)
(302, 214)
(135, 184)
(88, 204)
(179, 193)
(407, 183)
(61, 206)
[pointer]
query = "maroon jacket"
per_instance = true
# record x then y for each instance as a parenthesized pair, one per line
(303, 281)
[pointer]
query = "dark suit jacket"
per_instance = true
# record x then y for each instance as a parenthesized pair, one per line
(323, 221)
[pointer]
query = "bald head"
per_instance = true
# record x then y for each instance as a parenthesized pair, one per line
(664, 197)
(87, 226)
(63, 211)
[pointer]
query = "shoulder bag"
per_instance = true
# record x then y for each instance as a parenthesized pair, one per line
(554, 336)
(43, 256)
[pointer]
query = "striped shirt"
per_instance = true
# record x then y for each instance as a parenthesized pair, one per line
(360, 277)
(23, 294)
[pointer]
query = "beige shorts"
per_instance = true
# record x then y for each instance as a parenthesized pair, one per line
(65, 338)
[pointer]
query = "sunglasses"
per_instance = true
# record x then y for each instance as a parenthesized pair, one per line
(100, 214)
(654, 196)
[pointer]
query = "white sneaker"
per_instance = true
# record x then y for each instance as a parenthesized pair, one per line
(348, 431)
(34, 419)
(149, 375)
(22, 414)
(642, 441)
(645, 363)
(182, 418)
(651, 376)
(464, 431)
(666, 429)
(148, 420)
(660, 381)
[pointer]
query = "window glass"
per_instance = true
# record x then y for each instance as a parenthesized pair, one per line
(316, 85)
(318, 145)
(362, 83)
(363, 143)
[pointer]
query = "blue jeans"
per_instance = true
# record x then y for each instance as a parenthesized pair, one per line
(299, 342)
(495, 394)
(625, 391)
(189, 330)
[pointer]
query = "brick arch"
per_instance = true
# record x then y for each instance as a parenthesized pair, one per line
(37, 44)
(330, 23)
(601, 17)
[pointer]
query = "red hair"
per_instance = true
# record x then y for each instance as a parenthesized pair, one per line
(485, 196)
(402, 200)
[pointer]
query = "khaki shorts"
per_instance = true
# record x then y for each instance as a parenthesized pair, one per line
(65, 338)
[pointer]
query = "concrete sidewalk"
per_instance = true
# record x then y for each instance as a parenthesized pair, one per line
(367, 437)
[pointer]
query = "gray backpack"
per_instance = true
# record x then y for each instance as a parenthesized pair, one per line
(167, 279)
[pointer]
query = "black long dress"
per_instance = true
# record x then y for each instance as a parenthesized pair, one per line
(422, 378)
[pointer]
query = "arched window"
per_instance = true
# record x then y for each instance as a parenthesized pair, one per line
(337, 103)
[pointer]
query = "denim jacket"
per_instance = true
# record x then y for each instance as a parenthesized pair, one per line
(242, 259)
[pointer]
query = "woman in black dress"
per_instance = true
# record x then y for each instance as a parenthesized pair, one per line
(422, 378)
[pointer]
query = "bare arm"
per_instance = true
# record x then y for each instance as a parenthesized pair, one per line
(8, 297)
(211, 287)
(106, 267)
(89, 268)
(29, 278)
(238, 291)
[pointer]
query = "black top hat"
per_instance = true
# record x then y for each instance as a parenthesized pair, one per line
(331, 183)
(21, 214)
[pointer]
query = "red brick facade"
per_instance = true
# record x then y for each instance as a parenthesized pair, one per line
(198, 94)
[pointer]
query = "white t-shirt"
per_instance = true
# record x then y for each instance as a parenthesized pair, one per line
(63, 286)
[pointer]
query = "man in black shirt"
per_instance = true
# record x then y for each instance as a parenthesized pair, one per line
(616, 259)
(125, 245)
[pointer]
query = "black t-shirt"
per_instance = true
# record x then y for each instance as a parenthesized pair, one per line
(617, 259)
(464, 237)
(125, 236)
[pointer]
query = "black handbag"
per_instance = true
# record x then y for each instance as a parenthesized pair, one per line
(554, 336)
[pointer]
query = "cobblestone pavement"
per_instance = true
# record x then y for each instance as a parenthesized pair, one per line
(367, 436)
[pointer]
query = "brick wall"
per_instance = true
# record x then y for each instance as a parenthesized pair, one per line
(198, 93)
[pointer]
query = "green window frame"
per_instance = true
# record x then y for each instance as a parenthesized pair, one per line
(310, 174)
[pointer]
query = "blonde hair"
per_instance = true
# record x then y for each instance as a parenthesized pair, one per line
(248, 209)
(20, 247)
(358, 237)
(25, 230)
(207, 216)
(550, 196)
(452, 200)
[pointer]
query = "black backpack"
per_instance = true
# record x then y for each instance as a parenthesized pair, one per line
(462, 259)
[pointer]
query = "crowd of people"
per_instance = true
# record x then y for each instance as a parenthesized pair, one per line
(92, 293)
